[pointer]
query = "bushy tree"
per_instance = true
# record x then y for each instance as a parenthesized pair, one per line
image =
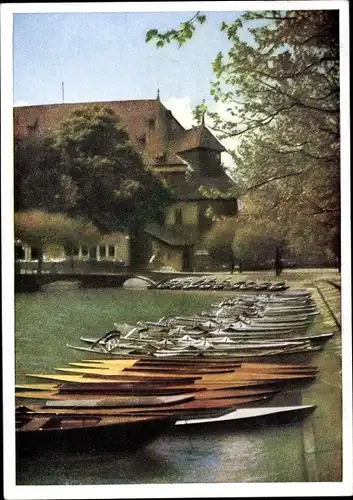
(258, 240)
(281, 91)
(90, 169)
(219, 241)
(113, 187)
(247, 240)
(40, 229)
(39, 178)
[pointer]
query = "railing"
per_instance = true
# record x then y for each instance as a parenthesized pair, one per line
(67, 266)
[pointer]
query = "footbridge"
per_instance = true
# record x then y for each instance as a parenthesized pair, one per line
(33, 281)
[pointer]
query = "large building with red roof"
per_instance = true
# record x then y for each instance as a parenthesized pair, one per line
(187, 159)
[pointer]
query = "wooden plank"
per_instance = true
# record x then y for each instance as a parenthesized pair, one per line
(36, 387)
(168, 409)
(154, 369)
(109, 379)
(147, 400)
(35, 424)
(127, 374)
(248, 369)
(239, 377)
(110, 398)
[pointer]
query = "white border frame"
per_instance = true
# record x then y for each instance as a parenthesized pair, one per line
(14, 492)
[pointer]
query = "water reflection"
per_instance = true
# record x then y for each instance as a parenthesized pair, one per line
(190, 457)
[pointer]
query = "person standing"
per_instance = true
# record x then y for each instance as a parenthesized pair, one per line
(278, 262)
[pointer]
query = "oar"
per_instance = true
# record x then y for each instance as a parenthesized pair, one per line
(108, 334)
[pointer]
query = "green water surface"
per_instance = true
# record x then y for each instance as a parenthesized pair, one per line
(46, 321)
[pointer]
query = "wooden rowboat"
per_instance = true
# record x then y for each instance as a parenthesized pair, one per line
(190, 369)
(110, 399)
(195, 363)
(134, 389)
(110, 376)
(112, 402)
(36, 433)
(195, 407)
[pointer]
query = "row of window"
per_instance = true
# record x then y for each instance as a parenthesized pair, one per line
(84, 251)
(104, 251)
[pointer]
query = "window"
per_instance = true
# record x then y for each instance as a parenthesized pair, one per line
(102, 251)
(178, 216)
(93, 253)
(84, 250)
(35, 253)
(111, 250)
(19, 252)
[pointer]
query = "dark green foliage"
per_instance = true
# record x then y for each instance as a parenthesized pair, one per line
(88, 168)
(39, 180)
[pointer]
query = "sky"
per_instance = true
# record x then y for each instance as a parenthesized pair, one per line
(104, 56)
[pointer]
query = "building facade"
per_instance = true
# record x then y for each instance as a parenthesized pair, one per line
(186, 159)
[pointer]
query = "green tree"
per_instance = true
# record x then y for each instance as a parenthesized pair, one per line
(92, 171)
(219, 241)
(39, 178)
(257, 239)
(281, 92)
(113, 187)
(40, 229)
(246, 239)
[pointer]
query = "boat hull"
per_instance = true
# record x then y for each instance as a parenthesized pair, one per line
(125, 436)
(246, 418)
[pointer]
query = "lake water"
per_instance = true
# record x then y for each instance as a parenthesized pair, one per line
(46, 321)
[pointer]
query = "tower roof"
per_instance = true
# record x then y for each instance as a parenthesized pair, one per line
(197, 137)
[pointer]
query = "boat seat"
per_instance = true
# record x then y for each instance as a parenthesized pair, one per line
(35, 424)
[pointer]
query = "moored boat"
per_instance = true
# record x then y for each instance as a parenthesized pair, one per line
(36, 432)
(248, 416)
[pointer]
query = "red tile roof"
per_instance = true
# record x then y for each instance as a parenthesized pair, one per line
(140, 118)
(151, 127)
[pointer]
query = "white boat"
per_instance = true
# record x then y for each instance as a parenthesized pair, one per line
(251, 414)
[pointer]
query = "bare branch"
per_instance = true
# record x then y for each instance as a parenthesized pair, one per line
(267, 181)
(298, 73)
(296, 100)
(261, 123)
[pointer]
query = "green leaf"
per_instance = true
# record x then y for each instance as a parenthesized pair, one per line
(151, 34)
(201, 19)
